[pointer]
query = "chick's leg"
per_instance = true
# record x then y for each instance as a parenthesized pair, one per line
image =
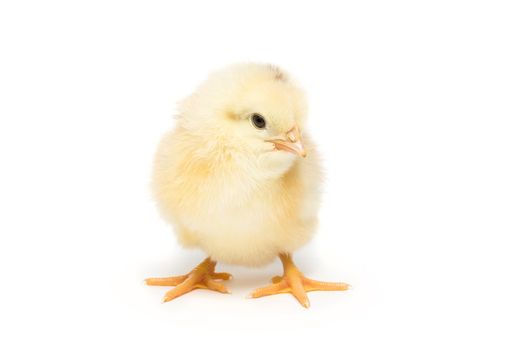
(203, 276)
(294, 282)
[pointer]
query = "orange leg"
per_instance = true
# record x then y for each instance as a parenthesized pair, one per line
(295, 283)
(201, 277)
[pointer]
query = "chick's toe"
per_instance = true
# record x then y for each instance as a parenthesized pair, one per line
(203, 276)
(294, 282)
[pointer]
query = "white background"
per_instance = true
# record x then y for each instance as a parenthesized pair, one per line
(419, 111)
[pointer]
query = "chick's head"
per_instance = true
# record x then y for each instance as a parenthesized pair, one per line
(252, 111)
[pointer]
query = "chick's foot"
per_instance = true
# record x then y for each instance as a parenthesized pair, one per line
(201, 277)
(294, 282)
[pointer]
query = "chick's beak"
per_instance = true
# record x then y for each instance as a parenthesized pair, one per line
(293, 142)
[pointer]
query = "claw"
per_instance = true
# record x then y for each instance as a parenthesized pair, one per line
(295, 283)
(201, 277)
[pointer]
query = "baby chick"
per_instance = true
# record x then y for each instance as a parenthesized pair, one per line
(234, 180)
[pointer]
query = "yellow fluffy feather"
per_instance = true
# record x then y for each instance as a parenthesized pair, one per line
(238, 191)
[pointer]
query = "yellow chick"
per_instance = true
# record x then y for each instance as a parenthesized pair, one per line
(234, 179)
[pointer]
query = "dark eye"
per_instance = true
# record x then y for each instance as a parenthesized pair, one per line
(258, 121)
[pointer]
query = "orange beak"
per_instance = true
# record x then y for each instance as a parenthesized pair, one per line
(293, 142)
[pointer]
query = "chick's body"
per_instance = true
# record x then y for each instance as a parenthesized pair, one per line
(223, 207)
(226, 193)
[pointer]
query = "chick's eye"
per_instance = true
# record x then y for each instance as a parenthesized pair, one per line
(258, 121)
